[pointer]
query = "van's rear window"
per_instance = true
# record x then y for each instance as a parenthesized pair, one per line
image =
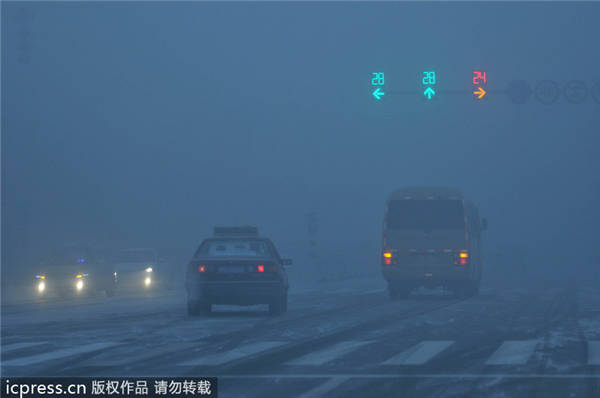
(425, 214)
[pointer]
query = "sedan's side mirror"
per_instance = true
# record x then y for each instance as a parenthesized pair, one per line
(286, 261)
(484, 224)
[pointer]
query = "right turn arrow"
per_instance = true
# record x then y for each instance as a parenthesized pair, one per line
(480, 92)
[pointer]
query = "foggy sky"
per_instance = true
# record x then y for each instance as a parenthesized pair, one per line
(145, 124)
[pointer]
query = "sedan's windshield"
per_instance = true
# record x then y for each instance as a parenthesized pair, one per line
(233, 248)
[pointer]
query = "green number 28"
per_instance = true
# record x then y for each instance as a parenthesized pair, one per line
(378, 79)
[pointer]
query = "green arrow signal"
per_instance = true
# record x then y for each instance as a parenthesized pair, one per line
(378, 93)
(429, 93)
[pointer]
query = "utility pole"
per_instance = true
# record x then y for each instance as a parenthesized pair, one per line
(312, 228)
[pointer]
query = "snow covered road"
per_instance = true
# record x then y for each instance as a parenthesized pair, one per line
(344, 339)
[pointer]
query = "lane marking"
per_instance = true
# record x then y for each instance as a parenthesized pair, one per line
(514, 352)
(420, 353)
(220, 358)
(66, 352)
(593, 352)
(136, 355)
(17, 346)
(328, 354)
(323, 389)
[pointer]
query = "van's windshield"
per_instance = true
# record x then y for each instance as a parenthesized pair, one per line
(425, 214)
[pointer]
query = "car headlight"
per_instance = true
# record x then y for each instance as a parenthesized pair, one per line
(79, 284)
(147, 281)
(149, 269)
(41, 287)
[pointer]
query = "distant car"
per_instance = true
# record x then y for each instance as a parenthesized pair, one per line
(74, 271)
(238, 267)
(432, 237)
(136, 269)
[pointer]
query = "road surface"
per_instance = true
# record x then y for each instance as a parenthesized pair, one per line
(338, 340)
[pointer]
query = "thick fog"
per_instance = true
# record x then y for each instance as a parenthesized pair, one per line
(146, 124)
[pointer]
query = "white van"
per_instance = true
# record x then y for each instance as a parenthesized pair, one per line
(431, 238)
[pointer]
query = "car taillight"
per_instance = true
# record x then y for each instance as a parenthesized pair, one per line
(387, 258)
(462, 258)
(260, 268)
(201, 268)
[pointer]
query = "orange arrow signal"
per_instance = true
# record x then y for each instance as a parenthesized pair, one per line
(480, 92)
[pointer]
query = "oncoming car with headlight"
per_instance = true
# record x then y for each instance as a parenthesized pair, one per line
(74, 271)
(236, 267)
(136, 269)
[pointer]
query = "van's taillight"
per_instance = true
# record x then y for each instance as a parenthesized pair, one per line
(201, 268)
(387, 258)
(260, 268)
(462, 259)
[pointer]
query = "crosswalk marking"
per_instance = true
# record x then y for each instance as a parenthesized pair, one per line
(515, 352)
(420, 353)
(17, 346)
(512, 352)
(62, 353)
(220, 358)
(137, 354)
(323, 389)
(321, 357)
(594, 352)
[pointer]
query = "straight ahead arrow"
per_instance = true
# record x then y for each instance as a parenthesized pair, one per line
(429, 92)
